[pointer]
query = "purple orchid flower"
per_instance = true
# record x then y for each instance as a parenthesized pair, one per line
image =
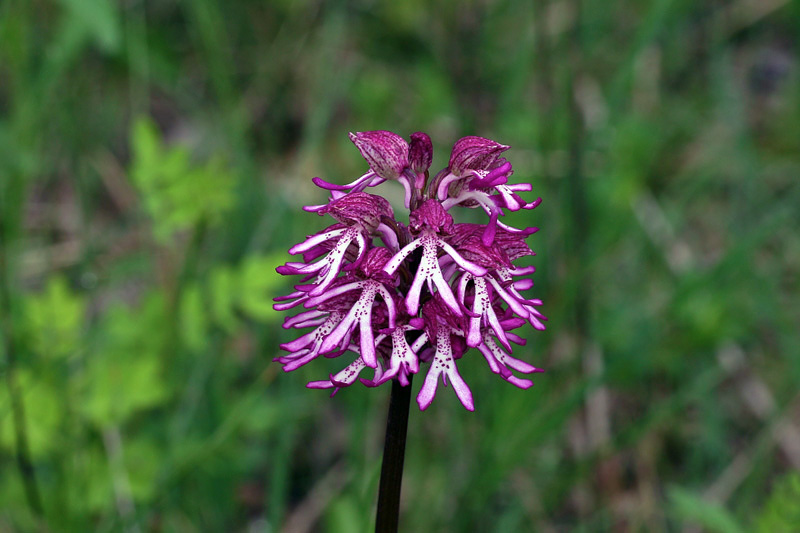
(362, 281)
(389, 157)
(359, 214)
(431, 222)
(446, 328)
(476, 172)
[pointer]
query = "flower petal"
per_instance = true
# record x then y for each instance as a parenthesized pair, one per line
(385, 152)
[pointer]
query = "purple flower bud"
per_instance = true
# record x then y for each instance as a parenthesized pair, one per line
(474, 153)
(431, 214)
(421, 152)
(386, 152)
(359, 208)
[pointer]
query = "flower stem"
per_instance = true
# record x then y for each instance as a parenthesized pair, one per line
(393, 456)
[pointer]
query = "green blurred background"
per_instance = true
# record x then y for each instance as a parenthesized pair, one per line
(154, 156)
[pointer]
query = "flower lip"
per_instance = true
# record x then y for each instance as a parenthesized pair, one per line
(432, 215)
(474, 153)
(385, 152)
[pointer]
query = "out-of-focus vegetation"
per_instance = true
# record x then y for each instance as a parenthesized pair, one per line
(154, 156)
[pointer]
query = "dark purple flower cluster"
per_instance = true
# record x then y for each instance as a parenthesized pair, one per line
(364, 277)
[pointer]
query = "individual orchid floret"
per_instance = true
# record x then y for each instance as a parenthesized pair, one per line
(509, 292)
(478, 177)
(431, 222)
(386, 154)
(360, 314)
(498, 260)
(340, 311)
(359, 214)
(346, 376)
(475, 194)
(328, 268)
(390, 158)
(445, 329)
(309, 346)
(404, 358)
(471, 157)
(501, 362)
(475, 292)
(361, 209)
(482, 311)
(474, 153)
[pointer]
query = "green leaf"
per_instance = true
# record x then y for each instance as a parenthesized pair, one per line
(99, 18)
(259, 284)
(344, 515)
(146, 144)
(43, 415)
(125, 376)
(119, 384)
(142, 460)
(193, 318)
(690, 507)
(54, 319)
(223, 286)
(177, 194)
(781, 512)
(95, 492)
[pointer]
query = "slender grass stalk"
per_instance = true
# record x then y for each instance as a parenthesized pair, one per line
(394, 451)
(9, 348)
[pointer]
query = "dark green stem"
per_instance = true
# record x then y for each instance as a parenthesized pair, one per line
(394, 450)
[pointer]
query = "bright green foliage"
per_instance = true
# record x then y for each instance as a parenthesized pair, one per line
(344, 514)
(222, 287)
(690, 508)
(126, 374)
(245, 291)
(194, 320)
(43, 410)
(781, 512)
(120, 384)
(177, 194)
(55, 320)
(141, 465)
(258, 285)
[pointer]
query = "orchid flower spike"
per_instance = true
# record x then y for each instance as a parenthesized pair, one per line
(402, 296)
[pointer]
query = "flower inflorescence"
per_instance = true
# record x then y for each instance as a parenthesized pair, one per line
(364, 277)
